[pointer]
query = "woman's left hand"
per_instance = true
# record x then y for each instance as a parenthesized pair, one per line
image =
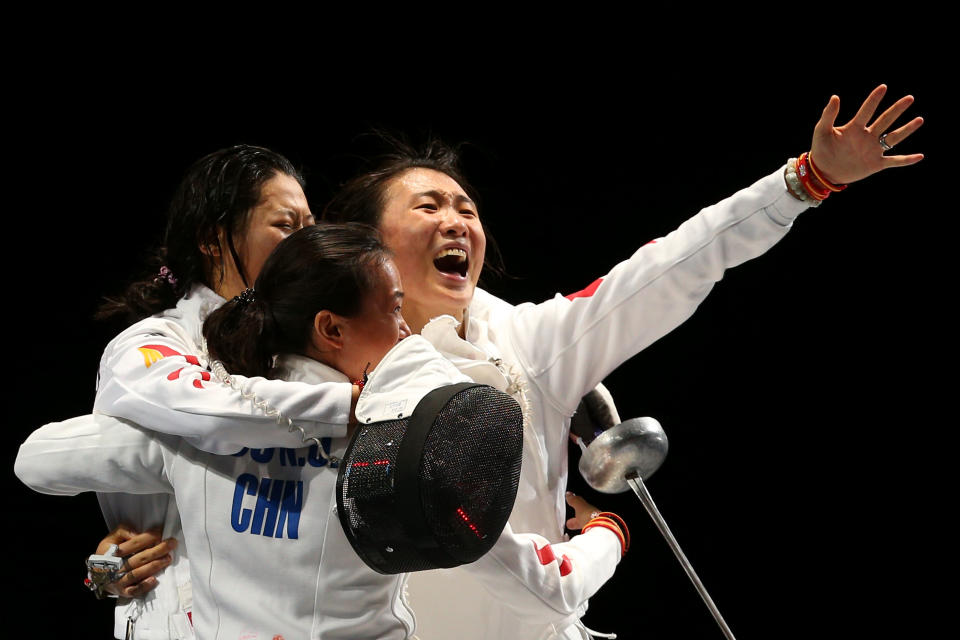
(583, 511)
(853, 152)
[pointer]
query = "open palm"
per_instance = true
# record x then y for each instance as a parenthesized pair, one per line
(853, 151)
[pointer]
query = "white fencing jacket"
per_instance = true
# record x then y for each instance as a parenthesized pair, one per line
(155, 373)
(558, 350)
(267, 553)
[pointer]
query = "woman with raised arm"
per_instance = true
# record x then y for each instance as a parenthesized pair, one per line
(550, 354)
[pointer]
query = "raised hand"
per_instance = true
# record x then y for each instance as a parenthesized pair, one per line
(854, 151)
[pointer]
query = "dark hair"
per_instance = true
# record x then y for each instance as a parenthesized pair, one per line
(218, 192)
(327, 266)
(363, 198)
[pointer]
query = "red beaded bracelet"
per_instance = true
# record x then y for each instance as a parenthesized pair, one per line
(803, 172)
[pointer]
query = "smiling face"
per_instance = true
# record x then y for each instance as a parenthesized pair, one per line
(281, 210)
(434, 231)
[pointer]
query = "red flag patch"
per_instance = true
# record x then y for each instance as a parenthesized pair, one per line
(585, 293)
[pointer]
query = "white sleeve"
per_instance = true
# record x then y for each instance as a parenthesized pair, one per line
(153, 378)
(547, 582)
(93, 453)
(408, 372)
(569, 344)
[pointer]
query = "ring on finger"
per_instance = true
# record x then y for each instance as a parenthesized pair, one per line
(883, 143)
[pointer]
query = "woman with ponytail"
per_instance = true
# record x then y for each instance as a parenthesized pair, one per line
(329, 299)
(318, 298)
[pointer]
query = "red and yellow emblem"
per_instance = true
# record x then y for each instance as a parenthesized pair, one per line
(154, 352)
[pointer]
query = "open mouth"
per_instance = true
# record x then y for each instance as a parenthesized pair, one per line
(452, 262)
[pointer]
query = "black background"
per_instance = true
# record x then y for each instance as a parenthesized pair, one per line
(803, 400)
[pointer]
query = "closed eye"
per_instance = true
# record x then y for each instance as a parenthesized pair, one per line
(291, 220)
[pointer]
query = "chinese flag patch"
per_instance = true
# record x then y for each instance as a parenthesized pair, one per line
(585, 293)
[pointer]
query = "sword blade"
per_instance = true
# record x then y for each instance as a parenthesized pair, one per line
(636, 483)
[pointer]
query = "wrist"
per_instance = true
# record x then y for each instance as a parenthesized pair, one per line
(806, 182)
(819, 178)
(613, 523)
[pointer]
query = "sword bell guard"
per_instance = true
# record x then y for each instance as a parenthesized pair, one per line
(635, 447)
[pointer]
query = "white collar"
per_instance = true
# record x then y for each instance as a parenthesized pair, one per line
(297, 368)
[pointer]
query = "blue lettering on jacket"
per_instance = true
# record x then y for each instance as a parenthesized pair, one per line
(262, 455)
(289, 457)
(239, 517)
(278, 505)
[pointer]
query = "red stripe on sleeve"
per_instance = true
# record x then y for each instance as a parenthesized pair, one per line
(585, 293)
(546, 554)
(565, 566)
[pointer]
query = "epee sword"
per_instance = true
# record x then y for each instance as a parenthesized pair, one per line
(619, 459)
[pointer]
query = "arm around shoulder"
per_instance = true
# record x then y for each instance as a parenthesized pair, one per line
(154, 377)
(93, 453)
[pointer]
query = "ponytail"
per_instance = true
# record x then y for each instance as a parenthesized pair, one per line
(327, 266)
(237, 335)
(158, 290)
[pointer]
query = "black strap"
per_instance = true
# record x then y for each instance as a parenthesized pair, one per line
(409, 503)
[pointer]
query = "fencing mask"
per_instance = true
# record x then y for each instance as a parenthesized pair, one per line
(434, 489)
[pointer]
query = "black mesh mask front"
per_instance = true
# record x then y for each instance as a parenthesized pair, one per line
(435, 489)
